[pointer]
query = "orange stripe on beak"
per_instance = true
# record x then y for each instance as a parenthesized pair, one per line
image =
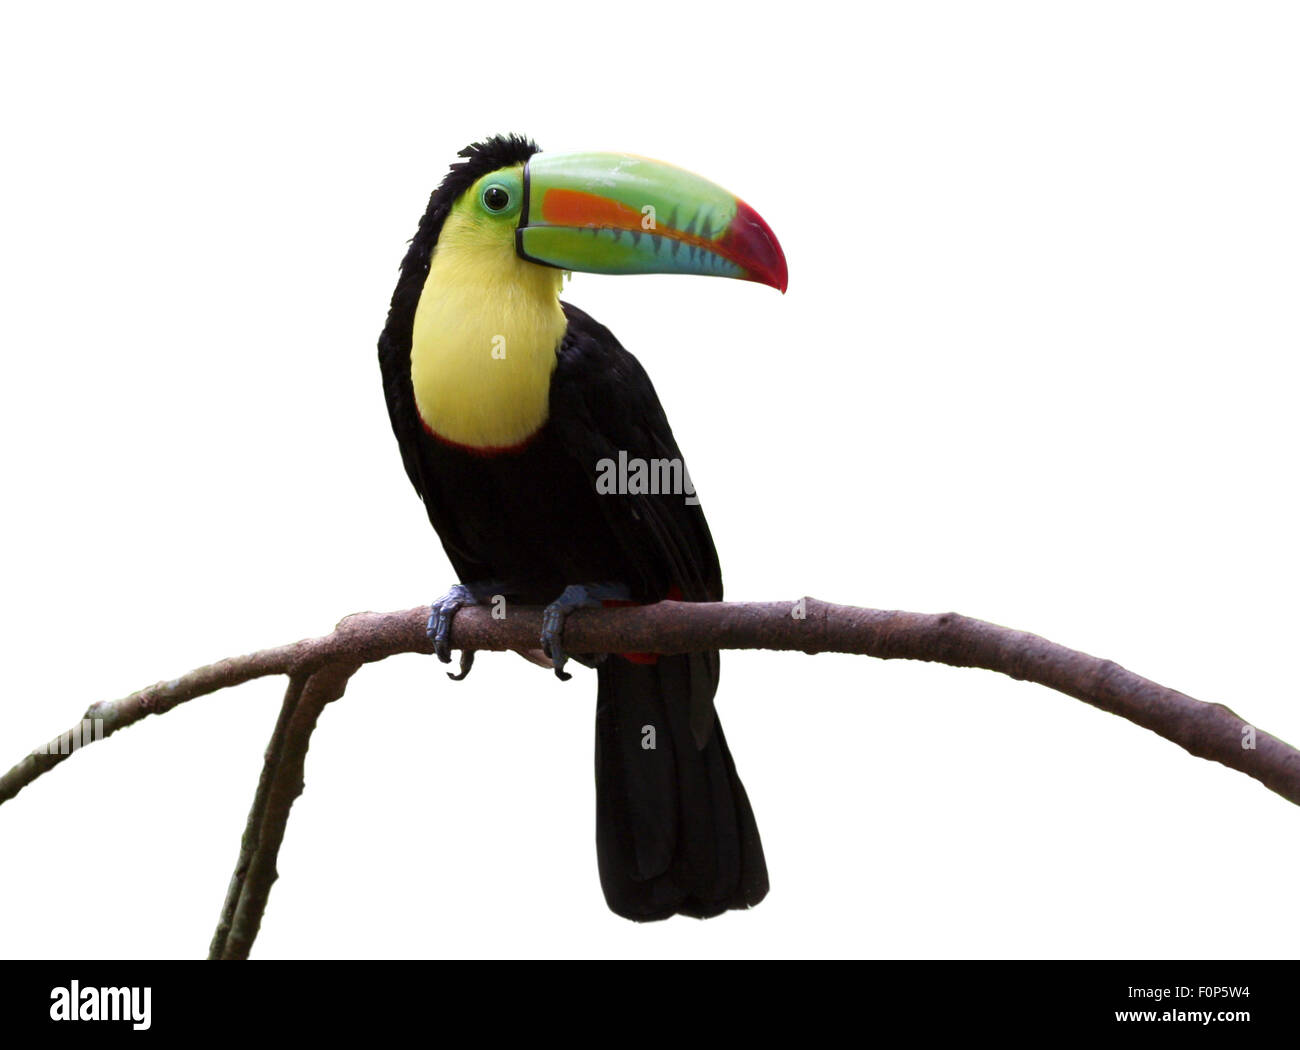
(561, 207)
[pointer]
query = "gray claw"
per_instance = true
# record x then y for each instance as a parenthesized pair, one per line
(466, 662)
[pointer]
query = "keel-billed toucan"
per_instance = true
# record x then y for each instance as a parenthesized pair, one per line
(510, 407)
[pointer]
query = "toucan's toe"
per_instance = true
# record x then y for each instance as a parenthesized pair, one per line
(466, 664)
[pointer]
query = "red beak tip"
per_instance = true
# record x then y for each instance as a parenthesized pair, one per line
(759, 250)
(774, 273)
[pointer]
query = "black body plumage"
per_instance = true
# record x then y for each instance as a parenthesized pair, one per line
(675, 832)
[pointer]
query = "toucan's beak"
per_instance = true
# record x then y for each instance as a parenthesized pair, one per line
(616, 213)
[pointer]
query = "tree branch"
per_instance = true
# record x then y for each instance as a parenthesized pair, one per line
(320, 668)
(279, 786)
(248, 845)
(1209, 731)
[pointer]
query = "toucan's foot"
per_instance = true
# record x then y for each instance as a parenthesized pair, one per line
(576, 596)
(441, 613)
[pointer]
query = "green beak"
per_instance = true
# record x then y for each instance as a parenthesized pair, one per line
(617, 213)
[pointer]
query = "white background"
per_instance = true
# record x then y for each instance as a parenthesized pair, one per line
(1036, 364)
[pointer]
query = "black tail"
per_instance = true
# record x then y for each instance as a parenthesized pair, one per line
(674, 831)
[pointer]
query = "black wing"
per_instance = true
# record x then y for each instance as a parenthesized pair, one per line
(603, 403)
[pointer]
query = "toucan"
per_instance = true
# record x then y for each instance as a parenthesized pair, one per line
(549, 471)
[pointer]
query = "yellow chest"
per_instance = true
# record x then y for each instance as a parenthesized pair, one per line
(483, 345)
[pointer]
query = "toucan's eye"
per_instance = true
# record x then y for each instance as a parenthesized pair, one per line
(496, 198)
